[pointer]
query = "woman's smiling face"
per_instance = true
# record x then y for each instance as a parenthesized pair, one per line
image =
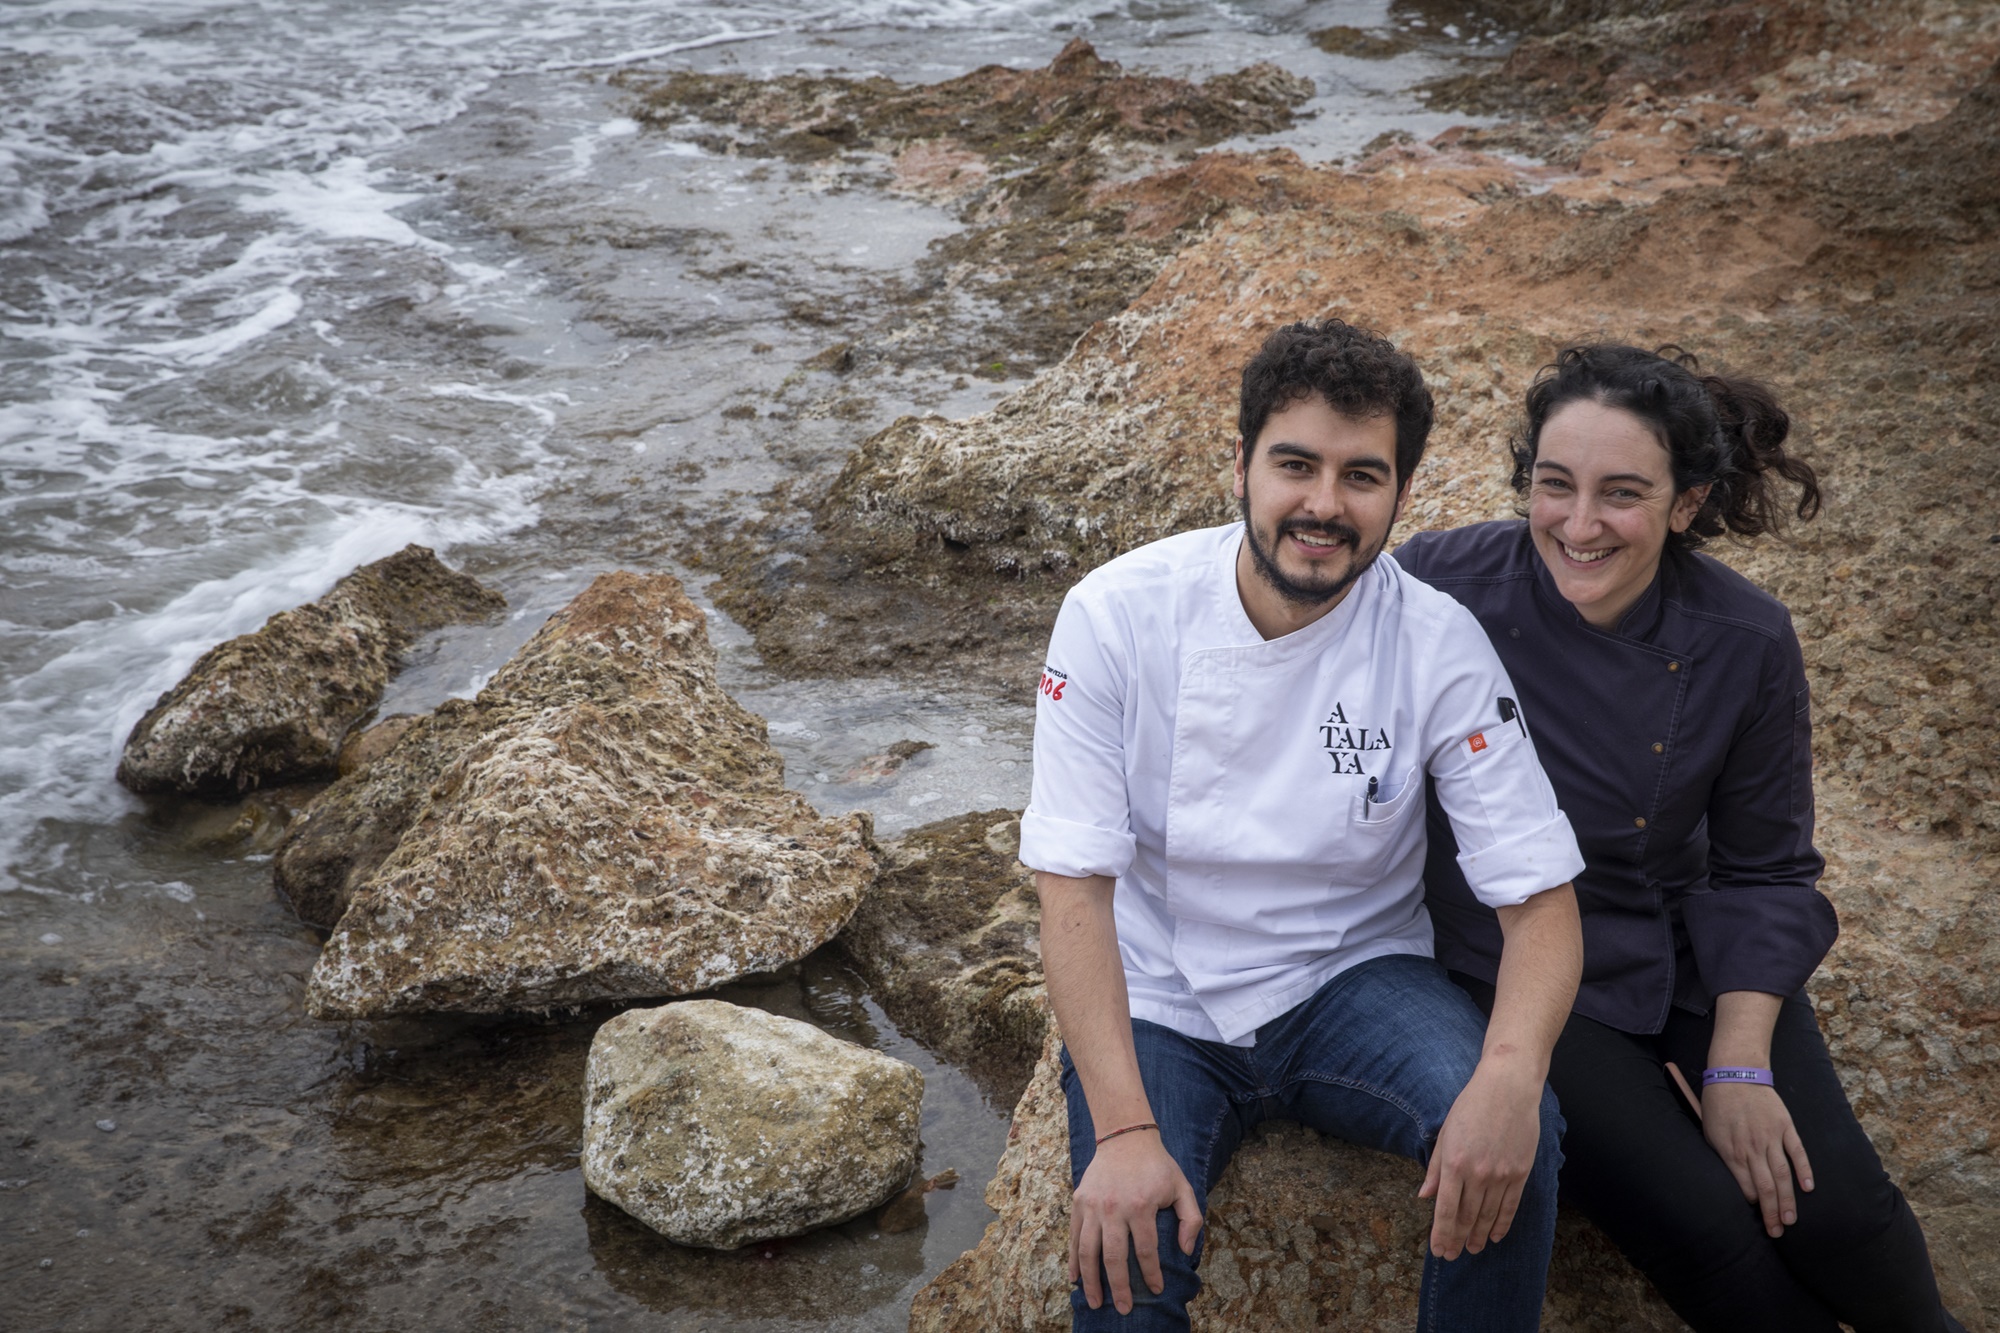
(1601, 502)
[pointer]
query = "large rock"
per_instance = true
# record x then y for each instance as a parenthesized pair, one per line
(949, 941)
(602, 822)
(272, 706)
(1304, 1232)
(720, 1126)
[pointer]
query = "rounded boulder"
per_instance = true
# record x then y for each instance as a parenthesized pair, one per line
(721, 1126)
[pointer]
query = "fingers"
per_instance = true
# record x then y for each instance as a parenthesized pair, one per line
(1117, 1272)
(1089, 1251)
(1482, 1210)
(1188, 1209)
(1146, 1249)
(1797, 1152)
(1767, 1192)
(1781, 1172)
(1429, 1189)
(1448, 1228)
(1510, 1203)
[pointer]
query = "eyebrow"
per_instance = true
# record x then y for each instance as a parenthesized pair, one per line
(1639, 477)
(1368, 461)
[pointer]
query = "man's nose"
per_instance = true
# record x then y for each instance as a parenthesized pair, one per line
(1324, 500)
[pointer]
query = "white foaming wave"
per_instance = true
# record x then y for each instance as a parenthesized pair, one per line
(23, 208)
(65, 723)
(343, 201)
(277, 309)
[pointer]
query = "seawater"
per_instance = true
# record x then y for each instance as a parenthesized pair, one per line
(285, 285)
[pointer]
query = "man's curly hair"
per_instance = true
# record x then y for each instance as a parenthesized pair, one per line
(1360, 374)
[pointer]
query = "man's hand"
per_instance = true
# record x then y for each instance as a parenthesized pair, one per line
(1482, 1158)
(1751, 1131)
(1487, 1146)
(1122, 1192)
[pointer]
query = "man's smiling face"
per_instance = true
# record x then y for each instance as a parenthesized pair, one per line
(1319, 494)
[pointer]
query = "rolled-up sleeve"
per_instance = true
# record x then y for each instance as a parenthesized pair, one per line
(1763, 924)
(1513, 839)
(1078, 822)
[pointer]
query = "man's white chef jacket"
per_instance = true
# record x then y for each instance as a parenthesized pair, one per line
(1261, 803)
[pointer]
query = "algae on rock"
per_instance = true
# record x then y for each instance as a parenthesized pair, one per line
(602, 822)
(949, 943)
(720, 1126)
(272, 706)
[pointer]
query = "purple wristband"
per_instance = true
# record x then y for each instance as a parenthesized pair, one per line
(1738, 1074)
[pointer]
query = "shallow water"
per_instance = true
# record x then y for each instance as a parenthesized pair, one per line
(285, 285)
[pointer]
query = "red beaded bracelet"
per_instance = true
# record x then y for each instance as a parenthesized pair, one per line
(1129, 1129)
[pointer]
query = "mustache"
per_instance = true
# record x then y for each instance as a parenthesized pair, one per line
(1332, 528)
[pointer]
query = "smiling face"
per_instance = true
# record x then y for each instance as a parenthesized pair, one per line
(1601, 502)
(1319, 495)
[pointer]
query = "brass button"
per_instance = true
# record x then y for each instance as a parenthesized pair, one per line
(1638, 823)
(1659, 748)
(1514, 633)
(1673, 666)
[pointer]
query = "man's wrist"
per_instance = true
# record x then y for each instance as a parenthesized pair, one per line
(1514, 1068)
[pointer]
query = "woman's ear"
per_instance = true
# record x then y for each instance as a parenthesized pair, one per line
(1686, 505)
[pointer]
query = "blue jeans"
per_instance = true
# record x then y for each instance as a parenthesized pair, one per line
(1375, 1057)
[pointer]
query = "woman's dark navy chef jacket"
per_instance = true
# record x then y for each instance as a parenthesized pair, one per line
(1680, 747)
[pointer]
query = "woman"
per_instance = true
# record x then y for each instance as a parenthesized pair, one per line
(1670, 709)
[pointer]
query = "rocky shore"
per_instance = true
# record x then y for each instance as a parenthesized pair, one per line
(1808, 193)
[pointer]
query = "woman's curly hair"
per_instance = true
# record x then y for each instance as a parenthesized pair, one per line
(1723, 432)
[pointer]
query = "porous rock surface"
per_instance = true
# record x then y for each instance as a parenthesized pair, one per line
(1831, 224)
(272, 706)
(949, 942)
(602, 822)
(1304, 1232)
(720, 1126)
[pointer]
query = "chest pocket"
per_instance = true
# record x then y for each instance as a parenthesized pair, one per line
(1379, 832)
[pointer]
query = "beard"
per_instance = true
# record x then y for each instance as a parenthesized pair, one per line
(1307, 592)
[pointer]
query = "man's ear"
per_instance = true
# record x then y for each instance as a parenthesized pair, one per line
(1402, 498)
(1237, 488)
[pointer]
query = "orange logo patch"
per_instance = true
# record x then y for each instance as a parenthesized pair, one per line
(1477, 740)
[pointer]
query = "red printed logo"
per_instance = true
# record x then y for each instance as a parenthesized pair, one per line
(1477, 740)
(1053, 682)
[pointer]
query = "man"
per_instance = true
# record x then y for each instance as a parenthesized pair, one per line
(1232, 745)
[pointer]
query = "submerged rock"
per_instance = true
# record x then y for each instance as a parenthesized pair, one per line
(602, 822)
(273, 706)
(949, 941)
(719, 1126)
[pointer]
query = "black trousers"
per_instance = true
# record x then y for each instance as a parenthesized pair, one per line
(1635, 1163)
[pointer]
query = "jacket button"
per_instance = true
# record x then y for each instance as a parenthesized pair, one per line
(1514, 633)
(1673, 666)
(1639, 823)
(1659, 748)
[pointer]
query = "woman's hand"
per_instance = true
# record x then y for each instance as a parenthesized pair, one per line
(1751, 1131)
(1747, 1123)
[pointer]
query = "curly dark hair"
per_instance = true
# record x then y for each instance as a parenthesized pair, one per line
(1723, 432)
(1360, 374)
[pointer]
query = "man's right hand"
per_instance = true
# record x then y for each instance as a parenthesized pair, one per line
(1127, 1183)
